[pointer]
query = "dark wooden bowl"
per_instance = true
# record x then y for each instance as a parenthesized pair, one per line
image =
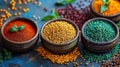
(63, 47)
(19, 46)
(114, 18)
(100, 47)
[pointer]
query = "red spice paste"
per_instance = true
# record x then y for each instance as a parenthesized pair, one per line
(26, 34)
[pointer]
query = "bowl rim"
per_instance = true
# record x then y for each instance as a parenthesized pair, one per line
(109, 21)
(15, 18)
(110, 16)
(60, 19)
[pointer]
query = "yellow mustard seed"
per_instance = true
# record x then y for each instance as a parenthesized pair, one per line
(59, 32)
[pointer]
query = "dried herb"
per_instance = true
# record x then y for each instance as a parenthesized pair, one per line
(50, 17)
(55, 14)
(118, 24)
(21, 27)
(106, 1)
(15, 28)
(104, 7)
(64, 2)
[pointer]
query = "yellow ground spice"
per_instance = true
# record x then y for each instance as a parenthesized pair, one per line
(60, 59)
(113, 7)
(59, 32)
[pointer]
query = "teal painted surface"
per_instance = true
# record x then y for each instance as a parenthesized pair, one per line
(32, 59)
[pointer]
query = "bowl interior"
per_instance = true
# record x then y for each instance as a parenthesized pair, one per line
(23, 19)
(110, 16)
(62, 19)
(109, 21)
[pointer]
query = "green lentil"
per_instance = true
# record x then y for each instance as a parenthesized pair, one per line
(89, 56)
(99, 31)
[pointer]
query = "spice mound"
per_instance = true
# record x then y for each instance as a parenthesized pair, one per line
(99, 31)
(25, 33)
(78, 16)
(112, 7)
(59, 32)
(60, 59)
(100, 57)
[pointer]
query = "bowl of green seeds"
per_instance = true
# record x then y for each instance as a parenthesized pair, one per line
(100, 35)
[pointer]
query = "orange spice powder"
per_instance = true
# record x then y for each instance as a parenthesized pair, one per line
(60, 59)
(27, 33)
(113, 7)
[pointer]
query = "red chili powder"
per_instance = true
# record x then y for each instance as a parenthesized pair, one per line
(26, 34)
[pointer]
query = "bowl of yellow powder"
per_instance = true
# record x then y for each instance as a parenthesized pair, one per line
(59, 35)
(106, 8)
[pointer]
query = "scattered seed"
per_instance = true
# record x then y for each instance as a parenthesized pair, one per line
(15, 14)
(87, 63)
(39, 3)
(80, 63)
(77, 15)
(38, 17)
(60, 59)
(45, 9)
(75, 64)
(19, 13)
(92, 65)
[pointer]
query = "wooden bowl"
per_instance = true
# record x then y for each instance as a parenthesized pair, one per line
(62, 47)
(100, 47)
(19, 46)
(115, 17)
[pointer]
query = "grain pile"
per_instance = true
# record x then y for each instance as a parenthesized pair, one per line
(59, 32)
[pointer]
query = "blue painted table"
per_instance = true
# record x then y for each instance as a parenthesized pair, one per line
(32, 59)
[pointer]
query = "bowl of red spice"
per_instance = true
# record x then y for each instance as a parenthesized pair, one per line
(106, 8)
(19, 34)
(100, 35)
(59, 35)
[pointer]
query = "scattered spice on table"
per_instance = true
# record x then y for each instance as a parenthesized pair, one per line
(60, 59)
(99, 31)
(112, 7)
(19, 36)
(4, 16)
(26, 9)
(75, 64)
(14, 6)
(100, 57)
(113, 62)
(59, 32)
(79, 16)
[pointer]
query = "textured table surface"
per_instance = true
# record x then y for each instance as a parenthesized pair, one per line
(31, 59)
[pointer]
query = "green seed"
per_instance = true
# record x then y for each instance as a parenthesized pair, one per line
(89, 56)
(99, 31)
